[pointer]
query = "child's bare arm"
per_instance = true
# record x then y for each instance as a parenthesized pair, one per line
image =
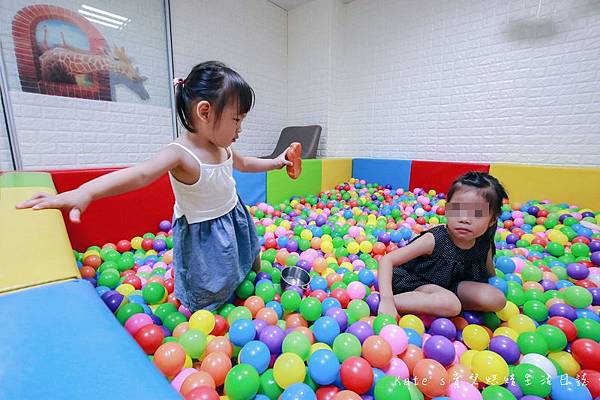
(121, 181)
(421, 246)
(255, 164)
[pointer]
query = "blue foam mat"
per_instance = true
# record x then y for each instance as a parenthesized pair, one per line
(382, 171)
(251, 186)
(60, 341)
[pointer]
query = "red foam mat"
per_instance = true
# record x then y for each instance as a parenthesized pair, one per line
(439, 175)
(119, 217)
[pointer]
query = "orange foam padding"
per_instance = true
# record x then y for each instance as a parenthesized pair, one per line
(439, 175)
(119, 217)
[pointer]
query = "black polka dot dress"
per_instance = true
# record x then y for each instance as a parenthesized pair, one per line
(446, 266)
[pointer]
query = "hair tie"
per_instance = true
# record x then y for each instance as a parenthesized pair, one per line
(177, 82)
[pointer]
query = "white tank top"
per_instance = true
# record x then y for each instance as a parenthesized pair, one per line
(212, 196)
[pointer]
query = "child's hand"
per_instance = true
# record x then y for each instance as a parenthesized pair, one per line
(387, 306)
(281, 161)
(75, 201)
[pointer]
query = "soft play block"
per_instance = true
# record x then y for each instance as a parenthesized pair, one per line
(119, 217)
(280, 187)
(574, 185)
(251, 186)
(26, 179)
(382, 171)
(440, 175)
(34, 247)
(61, 342)
(335, 171)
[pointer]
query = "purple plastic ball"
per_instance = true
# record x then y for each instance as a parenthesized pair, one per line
(384, 237)
(164, 226)
(291, 246)
(547, 284)
(444, 327)
(373, 302)
(562, 310)
(361, 330)
(512, 238)
(594, 246)
(595, 296)
(259, 324)
(262, 275)
(506, 348)
(320, 220)
(533, 210)
(272, 336)
(473, 317)
(577, 271)
(340, 317)
(305, 265)
(595, 258)
(439, 348)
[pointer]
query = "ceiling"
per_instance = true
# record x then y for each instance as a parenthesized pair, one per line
(290, 4)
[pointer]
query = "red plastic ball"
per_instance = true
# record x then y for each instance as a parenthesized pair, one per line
(149, 338)
(123, 246)
(147, 244)
(564, 325)
(356, 374)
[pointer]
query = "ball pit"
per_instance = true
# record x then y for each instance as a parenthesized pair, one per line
(326, 341)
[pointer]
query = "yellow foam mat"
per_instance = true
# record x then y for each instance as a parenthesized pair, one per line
(34, 246)
(335, 171)
(573, 185)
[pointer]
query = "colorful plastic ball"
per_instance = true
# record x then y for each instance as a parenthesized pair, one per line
(587, 328)
(193, 342)
(555, 338)
(440, 349)
(298, 343)
(444, 327)
(395, 337)
(568, 388)
(169, 358)
(273, 337)
(242, 382)
(377, 351)
(217, 365)
(506, 348)
(149, 338)
(256, 354)
(431, 378)
(326, 330)
(345, 346)
(297, 391)
(203, 321)
(388, 388)
(475, 337)
(288, 369)
(356, 374)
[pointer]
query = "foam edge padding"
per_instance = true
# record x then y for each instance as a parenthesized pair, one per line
(578, 186)
(251, 186)
(34, 246)
(280, 187)
(61, 342)
(382, 171)
(335, 171)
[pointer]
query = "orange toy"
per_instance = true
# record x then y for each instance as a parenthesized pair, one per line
(294, 155)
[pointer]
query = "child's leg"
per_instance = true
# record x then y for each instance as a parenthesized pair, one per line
(477, 296)
(428, 299)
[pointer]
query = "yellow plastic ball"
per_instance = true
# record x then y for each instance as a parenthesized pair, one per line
(466, 358)
(92, 253)
(347, 265)
(508, 332)
(136, 243)
(521, 323)
(203, 321)
(326, 238)
(475, 337)
(289, 369)
(489, 367)
(434, 221)
(125, 289)
(326, 246)
(306, 234)
(566, 361)
(366, 247)
(412, 322)
(319, 346)
(353, 247)
(538, 228)
(528, 236)
(509, 311)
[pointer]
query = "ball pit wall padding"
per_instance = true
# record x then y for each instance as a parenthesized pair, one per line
(61, 342)
(34, 246)
(382, 171)
(578, 186)
(118, 217)
(26, 179)
(280, 187)
(439, 175)
(251, 186)
(335, 171)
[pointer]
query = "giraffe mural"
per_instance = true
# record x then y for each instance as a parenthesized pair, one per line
(60, 53)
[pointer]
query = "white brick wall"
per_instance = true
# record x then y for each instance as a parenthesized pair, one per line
(460, 80)
(314, 53)
(251, 37)
(64, 132)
